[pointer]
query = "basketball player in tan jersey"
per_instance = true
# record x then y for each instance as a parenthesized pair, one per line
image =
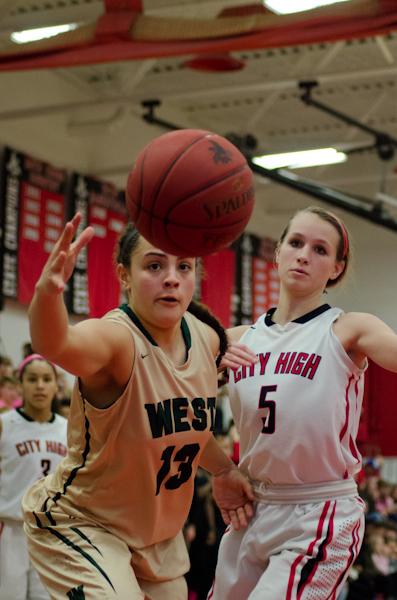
(108, 523)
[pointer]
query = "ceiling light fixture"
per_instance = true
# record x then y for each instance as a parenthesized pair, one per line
(300, 160)
(39, 33)
(285, 7)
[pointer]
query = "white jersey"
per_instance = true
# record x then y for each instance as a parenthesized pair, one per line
(298, 408)
(29, 450)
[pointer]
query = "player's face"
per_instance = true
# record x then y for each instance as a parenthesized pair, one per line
(160, 285)
(39, 386)
(307, 256)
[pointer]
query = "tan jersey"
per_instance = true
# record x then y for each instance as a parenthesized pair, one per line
(130, 467)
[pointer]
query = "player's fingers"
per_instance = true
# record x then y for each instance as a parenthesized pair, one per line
(249, 492)
(249, 509)
(225, 516)
(232, 361)
(242, 351)
(82, 240)
(234, 519)
(58, 263)
(68, 233)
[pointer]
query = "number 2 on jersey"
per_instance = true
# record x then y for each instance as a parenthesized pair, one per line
(269, 421)
(45, 466)
(185, 456)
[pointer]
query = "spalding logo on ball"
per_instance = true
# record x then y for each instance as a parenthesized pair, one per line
(190, 192)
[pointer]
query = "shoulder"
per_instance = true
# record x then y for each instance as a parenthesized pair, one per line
(6, 415)
(109, 327)
(6, 419)
(60, 420)
(235, 333)
(352, 327)
(357, 322)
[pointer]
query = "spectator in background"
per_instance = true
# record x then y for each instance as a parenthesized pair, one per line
(27, 349)
(373, 576)
(6, 366)
(384, 503)
(32, 442)
(63, 396)
(61, 406)
(10, 393)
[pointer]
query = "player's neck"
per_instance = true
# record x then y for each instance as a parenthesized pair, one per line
(169, 338)
(173, 345)
(290, 307)
(41, 416)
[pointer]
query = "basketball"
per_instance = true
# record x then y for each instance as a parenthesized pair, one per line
(190, 192)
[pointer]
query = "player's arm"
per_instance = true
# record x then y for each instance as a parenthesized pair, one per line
(365, 335)
(232, 490)
(237, 353)
(83, 349)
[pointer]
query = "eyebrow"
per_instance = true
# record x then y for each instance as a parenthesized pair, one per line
(161, 254)
(164, 254)
(317, 241)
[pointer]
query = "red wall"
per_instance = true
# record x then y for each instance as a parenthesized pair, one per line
(378, 427)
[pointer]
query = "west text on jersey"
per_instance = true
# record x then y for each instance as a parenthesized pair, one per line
(179, 414)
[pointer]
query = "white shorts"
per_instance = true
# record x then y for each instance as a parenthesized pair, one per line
(291, 552)
(18, 579)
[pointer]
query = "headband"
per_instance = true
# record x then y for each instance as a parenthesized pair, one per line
(30, 359)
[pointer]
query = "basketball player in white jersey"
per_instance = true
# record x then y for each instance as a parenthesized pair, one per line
(108, 523)
(32, 443)
(297, 411)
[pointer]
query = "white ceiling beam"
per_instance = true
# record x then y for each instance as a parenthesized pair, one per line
(385, 51)
(329, 56)
(281, 84)
(228, 91)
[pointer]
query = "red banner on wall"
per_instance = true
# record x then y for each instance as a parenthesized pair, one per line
(33, 217)
(217, 284)
(256, 278)
(103, 285)
(94, 287)
(378, 428)
(41, 220)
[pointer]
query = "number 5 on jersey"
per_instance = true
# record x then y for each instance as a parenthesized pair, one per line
(269, 421)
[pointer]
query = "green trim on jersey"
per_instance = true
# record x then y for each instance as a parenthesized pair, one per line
(187, 338)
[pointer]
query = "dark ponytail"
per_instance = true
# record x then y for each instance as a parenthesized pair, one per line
(204, 314)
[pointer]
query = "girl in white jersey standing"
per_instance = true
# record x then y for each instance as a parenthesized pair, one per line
(32, 443)
(297, 411)
(108, 524)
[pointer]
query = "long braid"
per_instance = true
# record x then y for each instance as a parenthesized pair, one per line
(203, 313)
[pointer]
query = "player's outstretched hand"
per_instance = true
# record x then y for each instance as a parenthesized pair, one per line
(234, 496)
(237, 355)
(62, 260)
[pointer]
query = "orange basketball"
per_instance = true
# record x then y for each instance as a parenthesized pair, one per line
(190, 192)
